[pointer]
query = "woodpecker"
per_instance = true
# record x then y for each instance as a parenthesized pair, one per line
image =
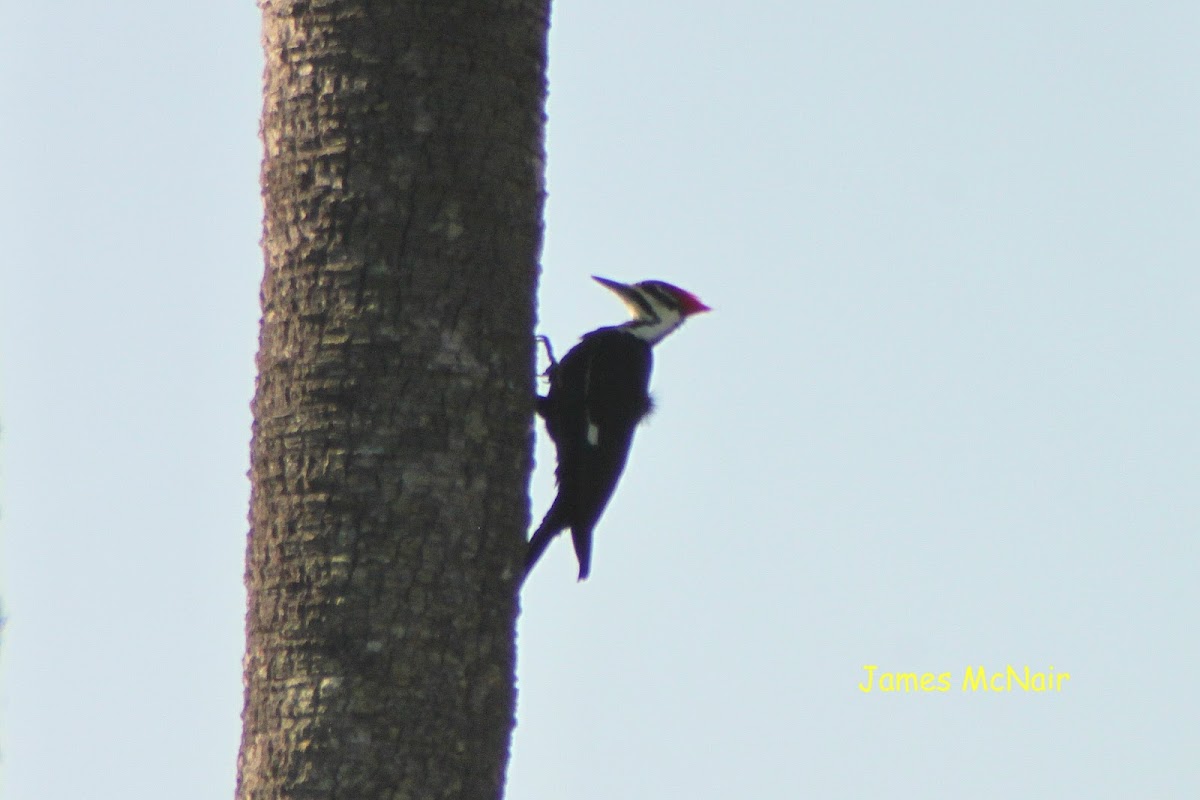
(598, 395)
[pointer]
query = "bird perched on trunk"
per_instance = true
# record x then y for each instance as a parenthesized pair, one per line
(598, 395)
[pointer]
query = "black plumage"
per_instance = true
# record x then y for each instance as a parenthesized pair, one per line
(598, 395)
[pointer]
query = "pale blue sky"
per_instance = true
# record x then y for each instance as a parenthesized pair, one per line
(944, 413)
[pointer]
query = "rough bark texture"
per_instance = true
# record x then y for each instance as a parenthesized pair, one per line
(393, 413)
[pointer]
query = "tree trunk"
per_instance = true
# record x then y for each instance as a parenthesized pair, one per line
(393, 412)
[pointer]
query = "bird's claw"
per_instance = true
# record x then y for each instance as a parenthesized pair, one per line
(545, 340)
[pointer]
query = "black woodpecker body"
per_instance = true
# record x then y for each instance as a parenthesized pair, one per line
(599, 393)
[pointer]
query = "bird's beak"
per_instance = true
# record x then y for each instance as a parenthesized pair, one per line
(624, 291)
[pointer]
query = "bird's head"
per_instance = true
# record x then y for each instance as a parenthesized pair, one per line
(657, 307)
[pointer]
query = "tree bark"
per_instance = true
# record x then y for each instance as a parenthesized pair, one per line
(393, 414)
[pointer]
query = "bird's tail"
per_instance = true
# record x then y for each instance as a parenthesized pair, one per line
(552, 525)
(582, 538)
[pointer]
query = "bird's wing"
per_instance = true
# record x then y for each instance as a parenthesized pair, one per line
(615, 398)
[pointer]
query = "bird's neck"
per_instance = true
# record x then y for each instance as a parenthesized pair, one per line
(652, 331)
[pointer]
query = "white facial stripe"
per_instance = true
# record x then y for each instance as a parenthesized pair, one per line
(662, 296)
(656, 310)
(640, 305)
(653, 331)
